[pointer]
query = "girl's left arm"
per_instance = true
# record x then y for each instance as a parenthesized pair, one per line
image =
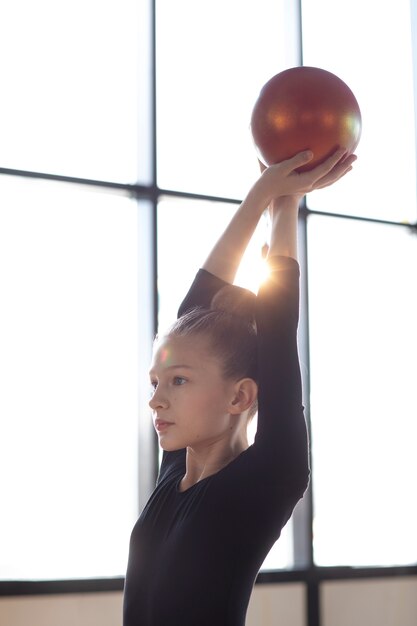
(281, 434)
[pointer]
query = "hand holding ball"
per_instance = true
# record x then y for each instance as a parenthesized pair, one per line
(305, 108)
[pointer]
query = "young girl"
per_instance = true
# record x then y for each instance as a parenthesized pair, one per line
(220, 504)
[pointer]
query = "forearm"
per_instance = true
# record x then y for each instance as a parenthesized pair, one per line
(225, 257)
(284, 227)
(280, 181)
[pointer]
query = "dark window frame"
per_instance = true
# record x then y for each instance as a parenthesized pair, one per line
(305, 571)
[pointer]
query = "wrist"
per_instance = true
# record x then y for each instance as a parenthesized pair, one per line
(289, 204)
(258, 199)
(286, 202)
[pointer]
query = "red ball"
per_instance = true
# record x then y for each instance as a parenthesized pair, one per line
(305, 108)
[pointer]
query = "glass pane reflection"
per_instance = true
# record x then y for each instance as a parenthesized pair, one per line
(378, 67)
(69, 99)
(363, 343)
(69, 375)
(212, 60)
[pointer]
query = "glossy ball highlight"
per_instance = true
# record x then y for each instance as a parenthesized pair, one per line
(305, 108)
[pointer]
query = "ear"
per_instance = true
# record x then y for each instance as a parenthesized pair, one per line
(245, 394)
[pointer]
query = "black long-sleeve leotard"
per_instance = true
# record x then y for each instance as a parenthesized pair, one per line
(194, 555)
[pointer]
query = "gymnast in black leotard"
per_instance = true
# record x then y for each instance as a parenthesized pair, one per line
(220, 504)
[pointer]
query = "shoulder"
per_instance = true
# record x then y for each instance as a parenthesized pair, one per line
(202, 290)
(283, 271)
(278, 295)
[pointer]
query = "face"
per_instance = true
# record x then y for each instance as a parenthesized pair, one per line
(191, 397)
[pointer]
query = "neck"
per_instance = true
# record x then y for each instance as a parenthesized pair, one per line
(201, 463)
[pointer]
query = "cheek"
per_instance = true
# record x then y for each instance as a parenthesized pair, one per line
(213, 414)
(211, 405)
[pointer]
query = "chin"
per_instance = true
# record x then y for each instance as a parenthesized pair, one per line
(167, 446)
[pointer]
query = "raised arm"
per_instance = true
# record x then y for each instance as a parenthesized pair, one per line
(281, 433)
(281, 188)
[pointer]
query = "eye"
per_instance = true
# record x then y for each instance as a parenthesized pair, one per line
(154, 385)
(179, 380)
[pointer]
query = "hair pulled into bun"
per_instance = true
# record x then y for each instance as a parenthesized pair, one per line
(236, 301)
(230, 329)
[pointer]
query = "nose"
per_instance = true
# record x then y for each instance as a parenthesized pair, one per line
(158, 400)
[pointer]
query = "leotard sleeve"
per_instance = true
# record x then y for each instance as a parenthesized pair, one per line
(281, 432)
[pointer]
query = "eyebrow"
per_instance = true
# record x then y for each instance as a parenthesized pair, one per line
(176, 366)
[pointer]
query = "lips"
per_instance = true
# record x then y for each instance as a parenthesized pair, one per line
(161, 425)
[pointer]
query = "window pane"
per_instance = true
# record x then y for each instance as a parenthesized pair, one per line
(378, 68)
(212, 60)
(69, 104)
(363, 335)
(69, 370)
(179, 259)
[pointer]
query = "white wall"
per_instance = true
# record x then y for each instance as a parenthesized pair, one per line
(270, 604)
(89, 609)
(273, 605)
(385, 602)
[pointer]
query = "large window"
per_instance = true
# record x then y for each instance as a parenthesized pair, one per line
(125, 148)
(362, 299)
(72, 286)
(363, 351)
(69, 368)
